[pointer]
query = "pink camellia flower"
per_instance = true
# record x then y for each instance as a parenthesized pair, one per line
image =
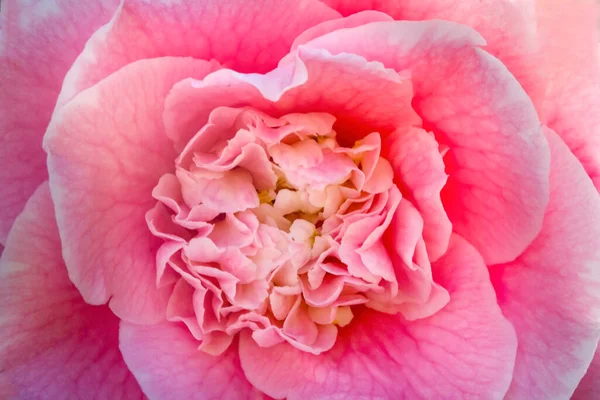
(303, 199)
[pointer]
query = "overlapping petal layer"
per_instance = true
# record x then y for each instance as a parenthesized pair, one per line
(507, 26)
(550, 46)
(105, 154)
(466, 350)
(38, 43)
(235, 33)
(272, 225)
(568, 35)
(53, 345)
(551, 292)
(480, 112)
(321, 225)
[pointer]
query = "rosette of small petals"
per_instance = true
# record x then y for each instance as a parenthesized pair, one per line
(272, 224)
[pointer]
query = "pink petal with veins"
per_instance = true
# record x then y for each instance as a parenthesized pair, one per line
(96, 153)
(51, 342)
(477, 109)
(467, 347)
(38, 45)
(551, 292)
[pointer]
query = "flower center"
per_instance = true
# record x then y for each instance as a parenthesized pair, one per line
(271, 226)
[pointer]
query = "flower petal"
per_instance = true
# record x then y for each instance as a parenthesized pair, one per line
(589, 387)
(571, 107)
(245, 35)
(419, 169)
(351, 21)
(168, 365)
(362, 96)
(466, 350)
(40, 39)
(551, 293)
(53, 344)
(506, 25)
(498, 159)
(106, 151)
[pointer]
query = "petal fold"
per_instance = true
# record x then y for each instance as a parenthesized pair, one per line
(363, 96)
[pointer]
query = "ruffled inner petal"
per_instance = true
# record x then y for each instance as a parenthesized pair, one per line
(275, 227)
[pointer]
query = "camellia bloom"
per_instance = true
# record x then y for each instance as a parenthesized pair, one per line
(299, 199)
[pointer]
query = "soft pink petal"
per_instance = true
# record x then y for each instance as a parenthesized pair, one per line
(551, 293)
(465, 351)
(418, 295)
(351, 21)
(332, 169)
(166, 362)
(308, 81)
(381, 177)
(498, 158)
(420, 170)
(589, 387)
(569, 39)
(507, 26)
(52, 344)
(39, 41)
(244, 35)
(106, 152)
(181, 307)
(228, 192)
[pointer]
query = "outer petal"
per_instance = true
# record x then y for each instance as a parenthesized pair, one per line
(507, 26)
(168, 365)
(354, 20)
(568, 31)
(498, 159)
(589, 387)
(39, 41)
(245, 35)
(551, 293)
(52, 344)
(465, 351)
(106, 152)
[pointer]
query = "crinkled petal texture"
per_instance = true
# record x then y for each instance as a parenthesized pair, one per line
(465, 96)
(271, 224)
(134, 131)
(230, 147)
(465, 351)
(551, 46)
(337, 212)
(38, 43)
(52, 344)
(551, 293)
